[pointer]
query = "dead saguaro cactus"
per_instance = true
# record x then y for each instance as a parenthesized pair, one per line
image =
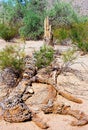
(48, 35)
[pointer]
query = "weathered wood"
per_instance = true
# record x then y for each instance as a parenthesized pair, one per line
(82, 118)
(15, 109)
(48, 35)
(51, 79)
(10, 77)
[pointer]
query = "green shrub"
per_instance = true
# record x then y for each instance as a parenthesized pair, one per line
(11, 14)
(32, 28)
(61, 33)
(12, 57)
(79, 32)
(83, 19)
(7, 33)
(69, 56)
(62, 14)
(83, 46)
(33, 20)
(44, 56)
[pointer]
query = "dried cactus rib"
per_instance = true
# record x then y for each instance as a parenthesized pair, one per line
(43, 77)
(69, 96)
(82, 118)
(15, 109)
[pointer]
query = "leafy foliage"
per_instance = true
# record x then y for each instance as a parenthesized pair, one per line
(12, 12)
(28, 17)
(61, 33)
(69, 56)
(7, 33)
(68, 24)
(12, 57)
(83, 46)
(79, 32)
(32, 26)
(33, 20)
(62, 14)
(44, 56)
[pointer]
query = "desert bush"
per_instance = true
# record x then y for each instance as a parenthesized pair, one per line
(12, 12)
(79, 32)
(33, 20)
(44, 56)
(83, 19)
(12, 57)
(69, 56)
(29, 14)
(32, 26)
(7, 33)
(66, 23)
(83, 46)
(61, 33)
(62, 17)
(62, 14)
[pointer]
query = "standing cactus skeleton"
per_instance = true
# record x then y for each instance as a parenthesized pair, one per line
(48, 35)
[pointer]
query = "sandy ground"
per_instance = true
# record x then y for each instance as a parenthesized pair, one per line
(74, 85)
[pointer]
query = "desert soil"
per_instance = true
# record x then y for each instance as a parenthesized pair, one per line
(77, 84)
